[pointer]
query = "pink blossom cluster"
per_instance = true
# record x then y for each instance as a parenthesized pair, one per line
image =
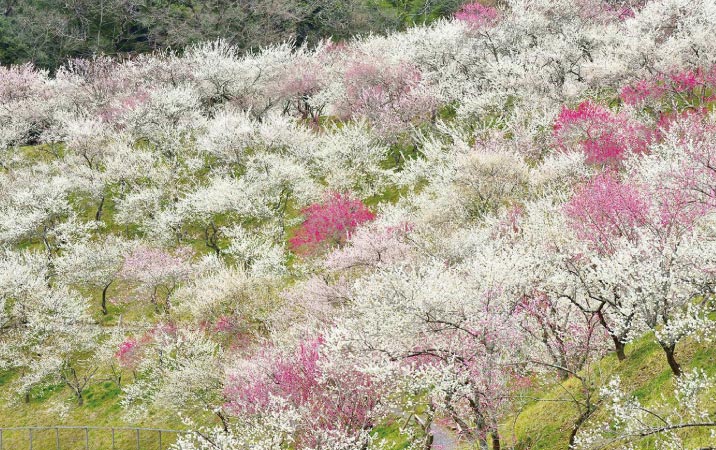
(115, 111)
(299, 85)
(336, 400)
(570, 338)
(330, 222)
(689, 190)
(605, 11)
(680, 88)
(605, 209)
(477, 15)
(21, 82)
(160, 330)
(127, 354)
(605, 137)
(225, 324)
(153, 265)
(318, 297)
(372, 246)
(386, 94)
(510, 223)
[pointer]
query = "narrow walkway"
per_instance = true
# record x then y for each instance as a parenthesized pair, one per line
(443, 437)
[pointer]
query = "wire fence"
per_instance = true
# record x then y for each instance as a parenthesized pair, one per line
(87, 438)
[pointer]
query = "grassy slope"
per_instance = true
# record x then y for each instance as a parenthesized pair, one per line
(546, 425)
(56, 406)
(540, 424)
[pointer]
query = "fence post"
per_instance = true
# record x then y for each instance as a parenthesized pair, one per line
(57, 437)
(138, 439)
(30, 438)
(0, 439)
(112, 438)
(86, 438)
(160, 439)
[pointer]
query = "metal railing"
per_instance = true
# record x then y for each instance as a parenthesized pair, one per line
(32, 435)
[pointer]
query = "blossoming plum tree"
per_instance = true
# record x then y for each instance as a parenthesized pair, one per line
(330, 223)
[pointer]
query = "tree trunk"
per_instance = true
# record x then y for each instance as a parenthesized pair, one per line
(428, 441)
(562, 375)
(98, 215)
(80, 399)
(578, 424)
(224, 423)
(211, 238)
(481, 429)
(618, 344)
(619, 347)
(673, 364)
(482, 443)
(495, 440)
(104, 298)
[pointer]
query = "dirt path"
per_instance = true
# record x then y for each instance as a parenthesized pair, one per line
(443, 437)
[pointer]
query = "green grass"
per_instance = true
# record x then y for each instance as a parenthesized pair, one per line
(56, 405)
(390, 432)
(545, 424)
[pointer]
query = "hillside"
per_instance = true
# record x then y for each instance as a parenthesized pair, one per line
(544, 423)
(496, 230)
(48, 32)
(539, 422)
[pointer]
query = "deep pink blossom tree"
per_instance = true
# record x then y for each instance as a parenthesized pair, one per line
(128, 353)
(675, 91)
(329, 223)
(605, 137)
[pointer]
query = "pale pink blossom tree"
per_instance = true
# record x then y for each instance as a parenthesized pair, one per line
(332, 400)
(392, 96)
(157, 273)
(606, 209)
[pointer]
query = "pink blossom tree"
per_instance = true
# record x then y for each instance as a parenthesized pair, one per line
(675, 91)
(603, 212)
(477, 15)
(605, 137)
(156, 272)
(568, 335)
(300, 85)
(606, 209)
(332, 400)
(641, 273)
(128, 352)
(453, 340)
(329, 223)
(390, 95)
(372, 246)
